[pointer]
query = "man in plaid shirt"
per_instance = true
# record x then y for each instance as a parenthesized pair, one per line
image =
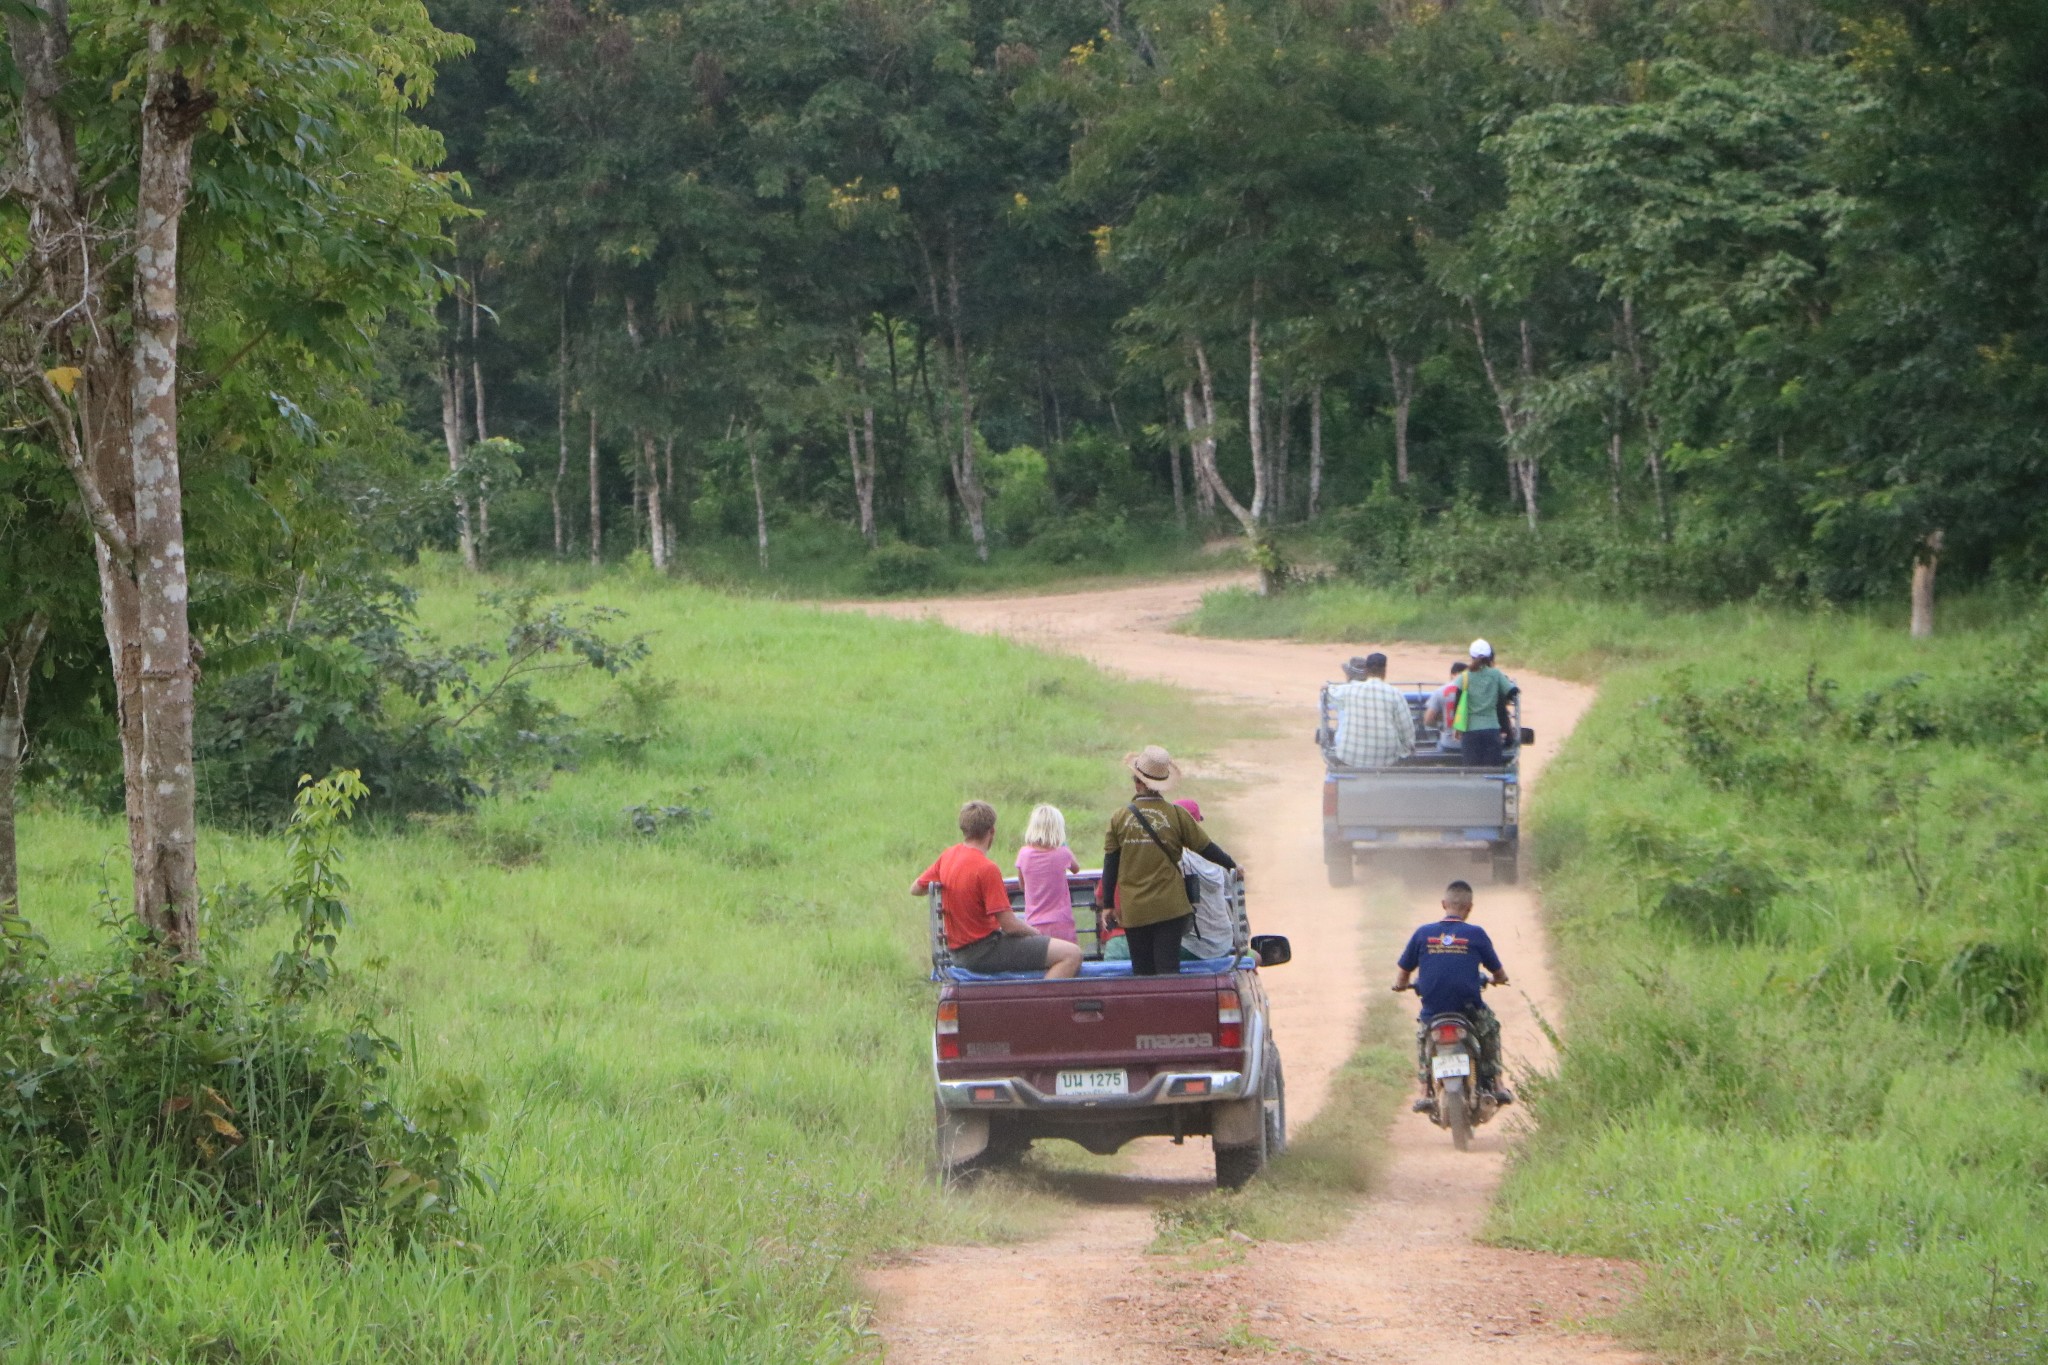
(1375, 728)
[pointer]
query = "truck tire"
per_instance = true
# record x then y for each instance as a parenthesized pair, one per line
(1337, 860)
(1457, 1113)
(1507, 868)
(1235, 1166)
(1275, 1095)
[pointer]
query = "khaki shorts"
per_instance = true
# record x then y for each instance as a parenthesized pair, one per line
(1005, 953)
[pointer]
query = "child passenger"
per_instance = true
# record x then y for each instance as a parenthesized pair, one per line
(1042, 867)
(982, 932)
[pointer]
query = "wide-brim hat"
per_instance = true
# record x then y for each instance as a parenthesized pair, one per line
(1154, 767)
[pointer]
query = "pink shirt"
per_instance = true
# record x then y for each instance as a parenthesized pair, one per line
(1047, 906)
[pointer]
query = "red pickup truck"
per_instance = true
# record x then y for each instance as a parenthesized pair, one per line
(1106, 1056)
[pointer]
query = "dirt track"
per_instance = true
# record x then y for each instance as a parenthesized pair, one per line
(1404, 1281)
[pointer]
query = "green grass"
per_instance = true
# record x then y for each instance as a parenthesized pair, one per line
(812, 560)
(705, 1051)
(1574, 637)
(1805, 1076)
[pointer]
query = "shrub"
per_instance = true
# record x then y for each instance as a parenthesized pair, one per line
(893, 569)
(153, 1089)
(1085, 537)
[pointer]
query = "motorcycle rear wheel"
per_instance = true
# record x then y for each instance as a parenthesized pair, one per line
(1455, 1106)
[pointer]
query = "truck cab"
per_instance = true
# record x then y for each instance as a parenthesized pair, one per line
(1105, 1057)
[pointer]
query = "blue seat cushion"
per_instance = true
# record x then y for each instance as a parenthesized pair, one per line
(1207, 966)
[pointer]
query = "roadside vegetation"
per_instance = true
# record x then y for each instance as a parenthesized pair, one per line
(1794, 863)
(676, 984)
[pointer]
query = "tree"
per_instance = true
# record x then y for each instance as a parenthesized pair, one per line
(309, 98)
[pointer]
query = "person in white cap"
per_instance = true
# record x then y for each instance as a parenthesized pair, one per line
(1482, 701)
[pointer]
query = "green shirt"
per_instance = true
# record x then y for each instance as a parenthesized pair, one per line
(1148, 881)
(1484, 688)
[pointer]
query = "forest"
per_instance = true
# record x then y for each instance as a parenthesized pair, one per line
(1693, 302)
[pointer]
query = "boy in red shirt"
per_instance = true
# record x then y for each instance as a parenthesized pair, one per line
(982, 932)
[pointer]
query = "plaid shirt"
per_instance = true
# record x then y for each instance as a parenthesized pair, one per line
(1374, 725)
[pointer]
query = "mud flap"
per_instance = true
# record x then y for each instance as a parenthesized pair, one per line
(1238, 1123)
(962, 1136)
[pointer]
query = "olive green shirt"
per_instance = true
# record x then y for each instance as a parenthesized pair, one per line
(1148, 882)
(1484, 688)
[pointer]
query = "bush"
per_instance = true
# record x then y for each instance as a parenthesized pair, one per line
(1085, 537)
(893, 569)
(157, 1090)
(347, 681)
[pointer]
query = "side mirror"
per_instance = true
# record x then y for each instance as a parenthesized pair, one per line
(1528, 735)
(1272, 950)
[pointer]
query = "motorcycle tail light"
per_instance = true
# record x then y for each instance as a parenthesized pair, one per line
(1448, 1033)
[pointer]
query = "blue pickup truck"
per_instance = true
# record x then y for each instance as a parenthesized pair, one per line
(1427, 802)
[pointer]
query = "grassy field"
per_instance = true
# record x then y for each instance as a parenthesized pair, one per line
(1795, 865)
(704, 1050)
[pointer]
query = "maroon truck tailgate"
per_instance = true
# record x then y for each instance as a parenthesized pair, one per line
(1143, 1024)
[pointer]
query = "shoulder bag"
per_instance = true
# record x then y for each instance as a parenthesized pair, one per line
(1190, 884)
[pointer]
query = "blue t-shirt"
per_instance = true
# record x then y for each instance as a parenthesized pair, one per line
(1446, 958)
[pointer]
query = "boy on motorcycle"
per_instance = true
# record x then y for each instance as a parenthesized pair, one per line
(1443, 960)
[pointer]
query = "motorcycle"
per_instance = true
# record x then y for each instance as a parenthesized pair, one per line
(1447, 1060)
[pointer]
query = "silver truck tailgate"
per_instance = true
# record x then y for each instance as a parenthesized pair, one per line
(1442, 799)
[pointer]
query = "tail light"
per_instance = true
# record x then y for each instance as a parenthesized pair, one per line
(1229, 1020)
(1511, 803)
(1330, 799)
(947, 1029)
(1445, 1033)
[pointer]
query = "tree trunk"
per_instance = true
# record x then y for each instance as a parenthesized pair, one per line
(657, 532)
(966, 474)
(1403, 373)
(1283, 507)
(1614, 466)
(863, 467)
(22, 641)
(476, 388)
(1925, 562)
(1521, 464)
(760, 500)
(1315, 452)
(561, 429)
(672, 514)
(1202, 444)
(1253, 426)
(452, 436)
(1180, 506)
(596, 502)
(167, 870)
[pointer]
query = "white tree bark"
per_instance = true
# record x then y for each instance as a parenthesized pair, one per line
(596, 501)
(452, 436)
(657, 533)
(1202, 443)
(1924, 565)
(1315, 452)
(1254, 422)
(760, 500)
(1403, 374)
(561, 427)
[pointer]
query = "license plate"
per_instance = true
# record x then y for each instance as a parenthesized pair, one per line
(1450, 1064)
(1112, 1082)
(1413, 837)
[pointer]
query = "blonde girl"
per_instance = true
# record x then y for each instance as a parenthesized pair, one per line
(1042, 867)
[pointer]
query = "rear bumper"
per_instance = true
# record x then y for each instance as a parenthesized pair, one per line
(1168, 1087)
(1369, 840)
(1191, 1084)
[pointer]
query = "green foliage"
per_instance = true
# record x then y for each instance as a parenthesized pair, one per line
(897, 568)
(347, 678)
(141, 1092)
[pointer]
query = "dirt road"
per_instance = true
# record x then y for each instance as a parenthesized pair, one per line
(1404, 1281)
